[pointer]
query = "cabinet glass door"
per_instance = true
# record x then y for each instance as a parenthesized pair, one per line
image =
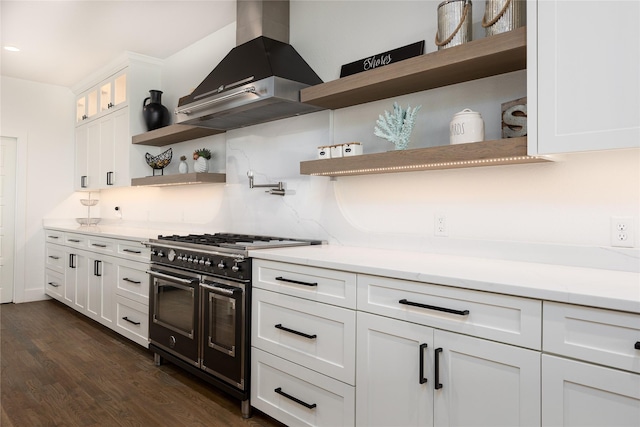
(92, 103)
(120, 89)
(105, 96)
(81, 108)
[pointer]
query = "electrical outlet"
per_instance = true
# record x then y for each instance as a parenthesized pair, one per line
(622, 231)
(440, 226)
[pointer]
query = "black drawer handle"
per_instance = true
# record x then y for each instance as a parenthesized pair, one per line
(422, 378)
(437, 385)
(74, 240)
(99, 245)
(288, 396)
(297, 282)
(637, 346)
(54, 257)
(126, 279)
(130, 321)
(53, 237)
(302, 334)
(55, 285)
(433, 307)
(132, 251)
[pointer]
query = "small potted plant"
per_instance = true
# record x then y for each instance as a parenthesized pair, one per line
(201, 157)
(183, 167)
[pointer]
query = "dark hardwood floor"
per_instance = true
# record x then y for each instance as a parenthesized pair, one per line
(60, 368)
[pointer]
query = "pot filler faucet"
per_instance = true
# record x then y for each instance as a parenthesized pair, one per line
(276, 189)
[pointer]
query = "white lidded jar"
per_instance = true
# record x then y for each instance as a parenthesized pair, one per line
(466, 126)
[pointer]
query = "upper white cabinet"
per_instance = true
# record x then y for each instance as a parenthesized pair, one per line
(108, 113)
(588, 75)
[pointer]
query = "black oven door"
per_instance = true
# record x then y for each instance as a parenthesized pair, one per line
(224, 330)
(173, 312)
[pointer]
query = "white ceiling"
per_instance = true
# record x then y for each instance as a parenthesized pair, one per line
(62, 42)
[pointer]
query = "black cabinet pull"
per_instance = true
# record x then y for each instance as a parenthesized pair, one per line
(96, 268)
(109, 178)
(437, 385)
(99, 245)
(422, 378)
(637, 346)
(126, 279)
(74, 240)
(72, 260)
(54, 257)
(302, 334)
(125, 318)
(298, 401)
(83, 180)
(433, 307)
(53, 237)
(55, 285)
(132, 251)
(297, 282)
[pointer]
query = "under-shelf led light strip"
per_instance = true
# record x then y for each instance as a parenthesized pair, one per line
(482, 162)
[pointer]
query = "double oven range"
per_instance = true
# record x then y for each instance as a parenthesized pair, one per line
(200, 305)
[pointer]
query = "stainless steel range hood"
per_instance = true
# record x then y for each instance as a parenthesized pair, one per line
(258, 81)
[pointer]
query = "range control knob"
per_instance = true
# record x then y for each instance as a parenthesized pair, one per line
(201, 262)
(235, 268)
(189, 259)
(221, 265)
(153, 252)
(160, 254)
(207, 262)
(180, 257)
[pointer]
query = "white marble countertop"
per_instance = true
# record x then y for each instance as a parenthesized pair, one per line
(113, 231)
(611, 289)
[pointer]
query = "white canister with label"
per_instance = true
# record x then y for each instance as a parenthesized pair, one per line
(352, 149)
(466, 126)
(324, 152)
(336, 151)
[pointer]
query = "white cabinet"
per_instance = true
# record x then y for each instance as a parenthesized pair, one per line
(111, 103)
(103, 278)
(588, 75)
(591, 366)
(577, 394)
(414, 375)
(303, 341)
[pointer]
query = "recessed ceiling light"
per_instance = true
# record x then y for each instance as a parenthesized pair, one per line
(11, 49)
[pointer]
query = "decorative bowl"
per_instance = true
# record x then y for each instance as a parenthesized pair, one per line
(89, 202)
(160, 161)
(88, 221)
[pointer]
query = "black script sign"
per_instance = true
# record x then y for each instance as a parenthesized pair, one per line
(382, 59)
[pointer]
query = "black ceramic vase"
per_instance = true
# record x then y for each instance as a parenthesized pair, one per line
(155, 114)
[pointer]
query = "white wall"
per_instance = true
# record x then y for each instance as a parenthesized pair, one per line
(557, 212)
(41, 117)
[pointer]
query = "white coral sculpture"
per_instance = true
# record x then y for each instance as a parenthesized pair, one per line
(397, 127)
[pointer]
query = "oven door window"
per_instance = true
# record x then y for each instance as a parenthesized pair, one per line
(222, 323)
(174, 306)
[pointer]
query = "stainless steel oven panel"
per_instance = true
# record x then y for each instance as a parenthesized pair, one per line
(226, 297)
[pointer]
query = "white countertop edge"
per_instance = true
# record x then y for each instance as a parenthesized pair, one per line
(575, 285)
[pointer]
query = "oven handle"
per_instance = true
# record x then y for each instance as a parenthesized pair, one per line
(172, 278)
(219, 290)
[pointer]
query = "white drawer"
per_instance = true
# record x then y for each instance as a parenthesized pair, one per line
(318, 284)
(55, 257)
(102, 245)
(54, 236)
(132, 320)
(54, 284)
(319, 336)
(133, 280)
(503, 318)
(596, 335)
(75, 240)
(134, 251)
(334, 400)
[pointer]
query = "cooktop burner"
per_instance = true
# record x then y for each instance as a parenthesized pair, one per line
(240, 242)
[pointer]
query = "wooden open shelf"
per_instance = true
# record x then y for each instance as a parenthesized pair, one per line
(180, 179)
(486, 153)
(477, 59)
(172, 134)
